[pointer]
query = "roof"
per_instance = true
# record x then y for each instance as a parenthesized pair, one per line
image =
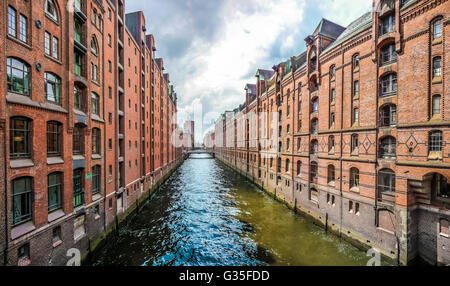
(264, 74)
(251, 87)
(355, 27)
(328, 29)
(298, 61)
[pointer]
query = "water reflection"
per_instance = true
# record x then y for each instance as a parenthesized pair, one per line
(206, 214)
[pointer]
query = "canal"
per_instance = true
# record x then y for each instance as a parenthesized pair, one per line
(207, 215)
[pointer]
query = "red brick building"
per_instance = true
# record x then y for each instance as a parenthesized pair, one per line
(354, 131)
(77, 125)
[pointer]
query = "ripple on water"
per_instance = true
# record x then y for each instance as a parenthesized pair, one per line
(205, 214)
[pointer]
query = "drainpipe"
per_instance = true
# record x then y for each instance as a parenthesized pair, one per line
(5, 251)
(340, 143)
(293, 140)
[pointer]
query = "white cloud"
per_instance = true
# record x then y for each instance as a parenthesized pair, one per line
(343, 12)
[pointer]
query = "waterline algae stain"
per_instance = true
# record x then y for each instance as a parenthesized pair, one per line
(206, 215)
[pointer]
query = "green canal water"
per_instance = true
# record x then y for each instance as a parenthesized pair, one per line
(207, 215)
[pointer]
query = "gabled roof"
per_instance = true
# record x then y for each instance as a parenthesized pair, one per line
(264, 74)
(353, 28)
(328, 29)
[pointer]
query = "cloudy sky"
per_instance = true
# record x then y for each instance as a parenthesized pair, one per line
(212, 48)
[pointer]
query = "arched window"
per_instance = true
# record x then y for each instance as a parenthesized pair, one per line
(95, 103)
(22, 200)
(288, 129)
(331, 143)
(388, 147)
(314, 126)
(96, 179)
(52, 88)
(437, 29)
(19, 76)
(331, 174)
(288, 165)
(50, 10)
(78, 97)
(78, 139)
(94, 46)
(389, 84)
(315, 105)
(440, 186)
(388, 54)
(356, 61)
(54, 138)
(54, 188)
(388, 115)
(279, 165)
(355, 143)
(313, 59)
(386, 182)
(314, 147)
(299, 167)
(20, 137)
(96, 141)
(436, 105)
(313, 172)
(354, 178)
(436, 67)
(332, 72)
(435, 141)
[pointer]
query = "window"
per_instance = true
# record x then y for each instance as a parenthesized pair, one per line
(437, 29)
(333, 95)
(279, 165)
(54, 186)
(53, 138)
(355, 143)
(12, 21)
(389, 84)
(94, 72)
(315, 105)
(440, 186)
(18, 73)
(332, 71)
(78, 64)
(109, 40)
(436, 67)
(314, 147)
(23, 28)
(55, 47)
(356, 88)
(22, 204)
(436, 105)
(52, 88)
(356, 115)
(288, 165)
(388, 115)
(78, 191)
(388, 147)
(299, 144)
(331, 143)
(95, 104)
(94, 48)
(331, 174)
(386, 182)
(299, 167)
(110, 92)
(355, 61)
(78, 139)
(56, 235)
(78, 97)
(435, 141)
(332, 119)
(313, 173)
(354, 178)
(387, 24)
(314, 126)
(96, 173)
(50, 10)
(288, 144)
(20, 137)
(96, 141)
(388, 54)
(23, 255)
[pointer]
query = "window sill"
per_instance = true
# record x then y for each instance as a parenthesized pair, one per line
(444, 235)
(19, 42)
(436, 80)
(97, 118)
(96, 156)
(21, 163)
(22, 229)
(96, 197)
(53, 59)
(78, 157)
(24, 262)
(55, 215)
(354, 190)
(435, 156)
(437, 41)
(55, 160)
(56, 244)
